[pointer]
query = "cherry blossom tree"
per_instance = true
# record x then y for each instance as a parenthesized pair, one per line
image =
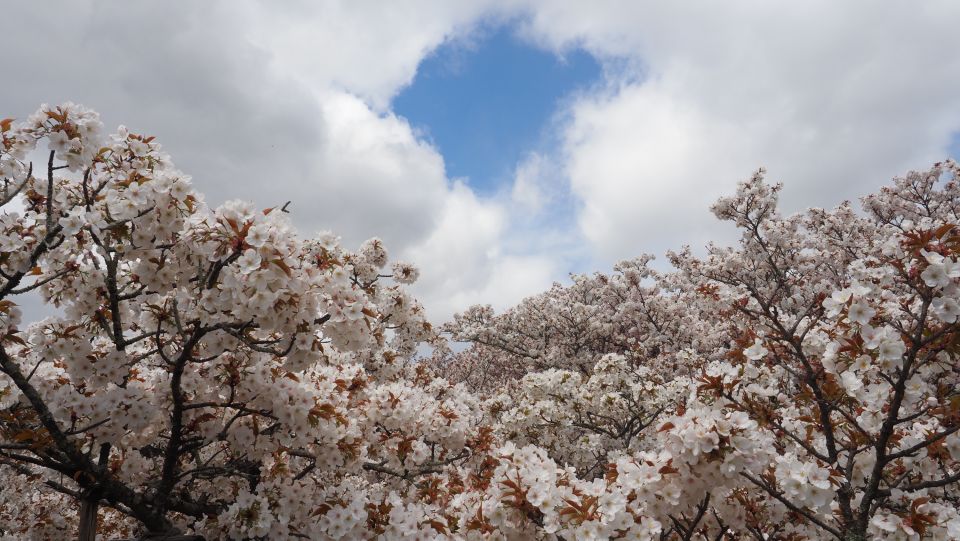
(821, 375)
(204, 365)
(636, 312)
(208, 372)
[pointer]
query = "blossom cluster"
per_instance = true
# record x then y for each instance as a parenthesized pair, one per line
(208, 371)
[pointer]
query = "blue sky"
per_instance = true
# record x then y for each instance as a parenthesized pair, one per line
(487, 101)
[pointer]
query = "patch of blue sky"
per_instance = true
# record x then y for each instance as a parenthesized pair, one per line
(488, 101)
(954, 150)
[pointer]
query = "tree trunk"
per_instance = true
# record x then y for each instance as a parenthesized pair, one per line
(88, 519)
(90, 502)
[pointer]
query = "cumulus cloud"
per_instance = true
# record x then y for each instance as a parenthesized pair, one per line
(832, 98)
(269, 103)
(639, 161)
(528, 191)
(465, 259)
(372, 49)
(373, 177)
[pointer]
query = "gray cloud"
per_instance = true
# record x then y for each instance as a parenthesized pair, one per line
(269, 105)
(274, 102)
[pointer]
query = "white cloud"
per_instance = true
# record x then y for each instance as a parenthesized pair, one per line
(464, 261)
(271, 103)
(528, 192)
(832, 98)
(639, 162)
(369, 48)
(372, 177)
(274, 102)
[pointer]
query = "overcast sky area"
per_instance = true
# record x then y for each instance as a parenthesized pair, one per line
(502, 144)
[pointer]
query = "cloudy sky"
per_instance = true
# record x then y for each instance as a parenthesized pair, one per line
(501, 144)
